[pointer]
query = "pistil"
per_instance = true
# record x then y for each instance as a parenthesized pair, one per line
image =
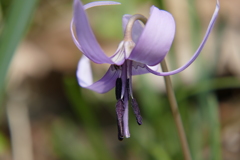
(128, 31)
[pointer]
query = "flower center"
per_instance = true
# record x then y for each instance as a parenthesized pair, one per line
(123, 92)
(123, 89)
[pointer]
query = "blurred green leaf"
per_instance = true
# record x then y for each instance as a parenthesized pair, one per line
(160, 4)
(16, 22)
(65, 132)
(86, 113)
(207, 85)
(215, 128)
(195, 135)
(5, 6)
(3, 143)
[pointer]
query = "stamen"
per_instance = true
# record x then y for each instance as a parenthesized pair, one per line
(136, 111)
(135, 107)
(118, 88)
(120, 111)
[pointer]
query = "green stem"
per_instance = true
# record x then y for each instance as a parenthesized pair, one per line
(176, 114)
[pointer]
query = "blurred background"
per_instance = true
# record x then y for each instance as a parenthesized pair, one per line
(45, 115)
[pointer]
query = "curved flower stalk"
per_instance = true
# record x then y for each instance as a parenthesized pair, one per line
(141, 51)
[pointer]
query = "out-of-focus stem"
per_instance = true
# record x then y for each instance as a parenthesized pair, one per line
(176, 114)
(19, 125)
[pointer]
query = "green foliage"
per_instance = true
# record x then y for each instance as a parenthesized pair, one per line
(3, 143)
(16, 22)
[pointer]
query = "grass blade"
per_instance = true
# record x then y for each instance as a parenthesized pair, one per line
(16, 23)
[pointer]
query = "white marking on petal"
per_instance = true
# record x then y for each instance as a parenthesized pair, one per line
(123, 52)
(119, 55)
(85, 73)
(155, 68)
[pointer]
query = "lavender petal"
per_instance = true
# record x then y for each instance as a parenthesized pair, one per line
(100, 3)
(156, 38)
(87, 6)
(84, 76)
(209, 29)
(85, 36)
(74, 37)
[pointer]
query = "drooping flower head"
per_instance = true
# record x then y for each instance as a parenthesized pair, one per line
(140, 52)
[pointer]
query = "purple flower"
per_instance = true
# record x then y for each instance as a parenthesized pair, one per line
(140, 52)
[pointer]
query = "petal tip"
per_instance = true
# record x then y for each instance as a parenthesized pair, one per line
(218, 3)
(100, 3)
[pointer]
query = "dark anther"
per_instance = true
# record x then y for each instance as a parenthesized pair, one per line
(116, 67)
(136, 111)
(120, 137)
(120, 111)
(118, 88)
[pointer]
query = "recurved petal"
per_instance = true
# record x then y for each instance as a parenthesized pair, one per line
(209, 29)
(85, 36)
(137, 27)
(74, 37)
(156, 38)
(84, 76)
(87, 6)
(100, 3)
